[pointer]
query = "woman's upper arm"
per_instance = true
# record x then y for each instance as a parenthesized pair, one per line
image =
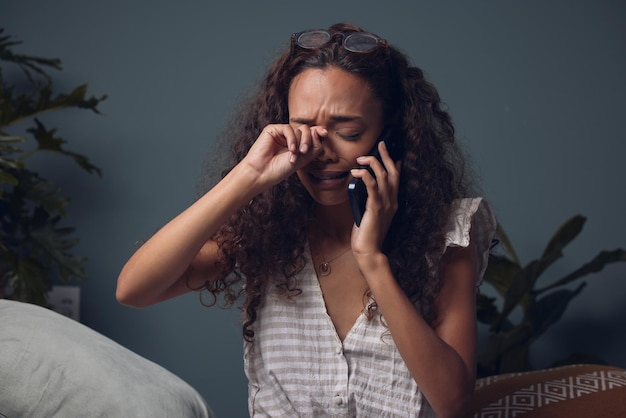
(456, 304)
(205, 267)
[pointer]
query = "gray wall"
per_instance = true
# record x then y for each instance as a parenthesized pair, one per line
(537, 91)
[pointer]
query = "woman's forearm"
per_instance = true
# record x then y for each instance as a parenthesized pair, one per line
(158, 267)
(441, 372)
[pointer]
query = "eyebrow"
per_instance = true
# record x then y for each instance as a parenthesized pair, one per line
(334, 118)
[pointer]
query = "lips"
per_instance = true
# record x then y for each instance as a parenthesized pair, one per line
(328, 180)
(328, 175)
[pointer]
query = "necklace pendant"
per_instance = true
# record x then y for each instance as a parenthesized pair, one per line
(324, 268)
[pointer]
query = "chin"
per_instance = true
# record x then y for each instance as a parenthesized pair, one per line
(326, 199)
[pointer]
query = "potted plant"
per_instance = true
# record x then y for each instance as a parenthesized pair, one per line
(509, 341)
(35, 246)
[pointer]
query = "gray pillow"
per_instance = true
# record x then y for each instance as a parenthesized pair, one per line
(51, 365)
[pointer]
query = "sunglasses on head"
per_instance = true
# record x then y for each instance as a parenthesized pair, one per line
(359, 42)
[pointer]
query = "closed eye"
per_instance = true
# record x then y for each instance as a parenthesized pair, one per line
(349, 136)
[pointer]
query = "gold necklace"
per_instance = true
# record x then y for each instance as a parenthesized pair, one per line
(324, 267)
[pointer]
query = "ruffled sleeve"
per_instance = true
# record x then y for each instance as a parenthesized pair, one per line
(471, 219)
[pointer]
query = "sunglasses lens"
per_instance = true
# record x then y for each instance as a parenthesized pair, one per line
(313, 39)
(360, 42)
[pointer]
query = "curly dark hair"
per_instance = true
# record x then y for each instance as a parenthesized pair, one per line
(259, 249)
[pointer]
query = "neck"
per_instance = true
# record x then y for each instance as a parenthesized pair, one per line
(334, 222)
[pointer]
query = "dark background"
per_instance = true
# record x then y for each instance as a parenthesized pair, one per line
(537, 91)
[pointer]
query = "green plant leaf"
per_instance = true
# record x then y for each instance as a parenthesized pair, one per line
(595, 265)
(520, 335)
(7, 149)
(16, 107)
(7, 178)
(489, 358)
(6, 139)
(500, 273)
(9, 163)
(549, 309)
(518, 291)
(56, 242)
(34, 249)
(562, 237)
(26, 62)
(508, 343)
(505, 242)
(486, 310)
(8, 261)
(47, 141)
(506, 351)
(35, 192)
(31, 282)
(515, 359)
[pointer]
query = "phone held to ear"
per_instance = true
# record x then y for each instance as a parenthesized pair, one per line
(357, 192)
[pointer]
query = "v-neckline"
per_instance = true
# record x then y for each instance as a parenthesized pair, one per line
(321, 302)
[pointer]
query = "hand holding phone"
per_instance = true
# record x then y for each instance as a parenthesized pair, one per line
(357, 192)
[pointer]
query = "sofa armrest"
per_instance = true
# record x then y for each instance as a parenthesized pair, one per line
(567, 391)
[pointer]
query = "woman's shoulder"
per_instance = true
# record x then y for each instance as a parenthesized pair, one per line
(471, 221)
(466, 214)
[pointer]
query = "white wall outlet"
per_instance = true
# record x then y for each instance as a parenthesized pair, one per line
(65, 300)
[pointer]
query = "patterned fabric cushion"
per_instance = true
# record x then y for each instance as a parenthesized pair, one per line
(568, 391)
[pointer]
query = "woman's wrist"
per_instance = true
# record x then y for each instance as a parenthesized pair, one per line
(246, 180)
(373, 265)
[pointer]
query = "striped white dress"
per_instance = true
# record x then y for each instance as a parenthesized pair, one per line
(298, 366)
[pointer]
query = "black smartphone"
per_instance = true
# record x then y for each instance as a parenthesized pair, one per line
(357, 192)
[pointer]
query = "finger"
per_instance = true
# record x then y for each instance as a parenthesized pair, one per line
(274, 130)
(370, 182)
(306, 139)
(374, 165)
(392, 168)
(301, 145)
(294, 147)
(308, 144)
(318, 133)
(388, 162)
(289, 138)
(277, 134)
(384, 189)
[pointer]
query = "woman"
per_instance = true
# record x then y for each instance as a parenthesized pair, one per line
(340, 320)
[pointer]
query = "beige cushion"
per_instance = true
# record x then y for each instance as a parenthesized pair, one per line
(53, 366)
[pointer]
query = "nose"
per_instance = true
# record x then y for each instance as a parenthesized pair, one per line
(328, 153)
